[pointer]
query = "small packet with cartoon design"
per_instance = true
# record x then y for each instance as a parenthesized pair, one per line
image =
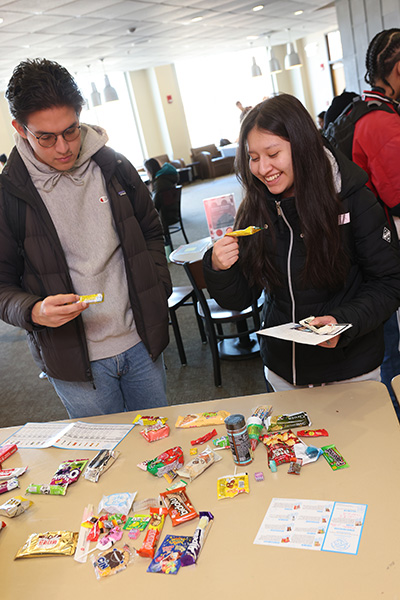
(112, 561)
(232, 485)
(199, 464)
(179, 507)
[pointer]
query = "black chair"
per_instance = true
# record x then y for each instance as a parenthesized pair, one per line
(170, 213)
(243, 343)
(183, 295)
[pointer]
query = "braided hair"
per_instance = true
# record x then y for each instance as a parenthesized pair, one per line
(382, 55)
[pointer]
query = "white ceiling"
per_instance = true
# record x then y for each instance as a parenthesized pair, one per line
(79, 33)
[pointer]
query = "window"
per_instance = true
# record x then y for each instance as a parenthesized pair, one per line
(335, 55)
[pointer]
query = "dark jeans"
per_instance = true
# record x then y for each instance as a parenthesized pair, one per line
(391, 361)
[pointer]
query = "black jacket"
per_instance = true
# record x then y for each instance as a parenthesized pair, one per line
(371, 293)
(62, 351)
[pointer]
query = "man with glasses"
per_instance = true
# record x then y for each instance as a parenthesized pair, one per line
(89, 227)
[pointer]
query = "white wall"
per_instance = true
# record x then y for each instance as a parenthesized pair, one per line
(6, 129)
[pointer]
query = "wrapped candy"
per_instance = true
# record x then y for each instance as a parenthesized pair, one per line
(199, 537)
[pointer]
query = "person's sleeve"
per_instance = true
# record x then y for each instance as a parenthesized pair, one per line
(378, 295)
(150, 225)
(229, 288)
(15, 304)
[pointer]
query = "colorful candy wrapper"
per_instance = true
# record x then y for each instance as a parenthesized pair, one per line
(100, 463)
(14, 507)
(146, 421)
(180, 509)
(155, 432)
(255, 423)
(112, 561)
(204, 438)
(117, 503)
(168, 557)
(145, 505)
(138, 522)
(50, 543)
(7, 486)
(48, 490)
(199, 537)
(334, 458)
(313, 433)
(251, 230)
(289, 421)
(68, 472)
(6, 451)
(153, 532)
(11, 473)
(202, 419)
(232, 485)
(166, 461)
(222, 443)
(92, 298)
(199, 464)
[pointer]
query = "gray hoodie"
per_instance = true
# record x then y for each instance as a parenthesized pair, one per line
(78, 205)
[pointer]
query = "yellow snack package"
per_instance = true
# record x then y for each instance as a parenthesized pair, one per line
(251, 230)
(92, 298)
(50, 543)
(202, 419)
(232, 485)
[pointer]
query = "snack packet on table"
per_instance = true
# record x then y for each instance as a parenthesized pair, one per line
(8, 485)
(230, 486)
(50, 543)
(180, 508)
(166, 461)
(153, 532)
(112, 561)
(14, 507)
(168, 556)
(155, 432)
(117, 503)
(255, 423)
(288, 421)
(68, 472)
(285, 447)
(100, 463)
(199, 537)
(222, 443)
(6, 474)
(199, 464)
(146, 421)
(202, 419)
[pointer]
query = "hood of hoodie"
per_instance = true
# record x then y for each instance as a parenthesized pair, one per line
(167, 171)
(45, 177)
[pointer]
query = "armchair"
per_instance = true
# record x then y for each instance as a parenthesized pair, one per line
(211, 162)
(178, 163)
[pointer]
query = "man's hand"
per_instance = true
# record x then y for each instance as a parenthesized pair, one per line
(327, 320)
(55, 311)
(225, 253)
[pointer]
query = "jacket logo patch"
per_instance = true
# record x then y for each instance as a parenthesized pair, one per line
(386, 235)
(122, 193)
(103, 199)
(344, 218)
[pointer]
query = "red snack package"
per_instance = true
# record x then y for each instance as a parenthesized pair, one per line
(313, 433)
(280, 446)
(204, 438)
(179, 507)
(154, 529)
(152, 433)
(6, 451)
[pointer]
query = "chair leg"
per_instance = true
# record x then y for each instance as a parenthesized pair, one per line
(178, 337)
(183, 231)
(215, 355)
(199, 320)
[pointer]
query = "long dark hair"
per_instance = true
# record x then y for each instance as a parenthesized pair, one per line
(382, 55)
(152, 166)
(316, 201)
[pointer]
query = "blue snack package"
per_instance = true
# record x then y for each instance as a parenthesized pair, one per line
(167, 559)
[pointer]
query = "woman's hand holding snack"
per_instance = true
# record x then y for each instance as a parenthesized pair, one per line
(225, 253)
(327, 320)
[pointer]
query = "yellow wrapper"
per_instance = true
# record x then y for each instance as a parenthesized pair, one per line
(242, 232)
(202, 419)
(92, 298)
(50, 543)
(232, 485)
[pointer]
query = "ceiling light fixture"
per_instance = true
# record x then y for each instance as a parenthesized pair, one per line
(255, 69)
(196, 19)
(95, 96)
(274, 64)
(298, 12)
(292, 59)
(258, 7)
(110, 93)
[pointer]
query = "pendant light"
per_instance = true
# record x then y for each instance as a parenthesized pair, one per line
(95, 96)
(255, 69)
(110, 93)
(274, 64)
(292, 59)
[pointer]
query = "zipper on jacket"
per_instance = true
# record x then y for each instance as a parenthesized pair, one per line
(289, 274)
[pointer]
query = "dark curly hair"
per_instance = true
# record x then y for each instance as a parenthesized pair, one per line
(39, 84)
(317, 203)
(382, 55)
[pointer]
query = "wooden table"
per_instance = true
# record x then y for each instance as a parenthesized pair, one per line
(360, 421)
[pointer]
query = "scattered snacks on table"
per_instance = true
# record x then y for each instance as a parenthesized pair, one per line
(177, 484)
(8, 485)
(334, 458)
(50, 543)
(180, 508)
(259, 476)
(193, 451)
(6, 451)
(48, 490)
(92, 298)
(15, 506)
(239, 439)
(100, 463)
(168, 557)
(199, 537)
(138, 522)
(255, 423)
(313, 433)
(199, 464)
(112, 561)
(166, 461)
(232, 485)
(202, 419)
(295, 467)
(145, 505)
(153, 532)
(222, 443)
(272, 466)
(170, 476)
(11, 473)
(155, 432)
(204, 438)
(68, 472)
(117, 503)
(289, 421)
(146, 421)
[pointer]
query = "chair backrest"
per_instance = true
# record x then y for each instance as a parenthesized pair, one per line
(170, 205)
(196, 274)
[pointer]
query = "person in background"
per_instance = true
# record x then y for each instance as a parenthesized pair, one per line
(163, 178)
(3, 160)
(321, 251)
(90, 227)
(320, 120)
(338, 104)
(376, 149)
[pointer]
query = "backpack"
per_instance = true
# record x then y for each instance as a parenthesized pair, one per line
(340, 132)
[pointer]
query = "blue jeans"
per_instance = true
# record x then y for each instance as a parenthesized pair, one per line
(391, 361)
(128, 381)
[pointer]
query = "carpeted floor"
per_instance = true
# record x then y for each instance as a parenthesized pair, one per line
(24, 397)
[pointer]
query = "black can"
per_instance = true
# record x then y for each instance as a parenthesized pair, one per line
(239, 439)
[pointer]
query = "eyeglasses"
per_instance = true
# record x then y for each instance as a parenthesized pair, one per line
(47, 140)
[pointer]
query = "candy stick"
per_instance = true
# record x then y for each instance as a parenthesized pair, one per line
(83, 544)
